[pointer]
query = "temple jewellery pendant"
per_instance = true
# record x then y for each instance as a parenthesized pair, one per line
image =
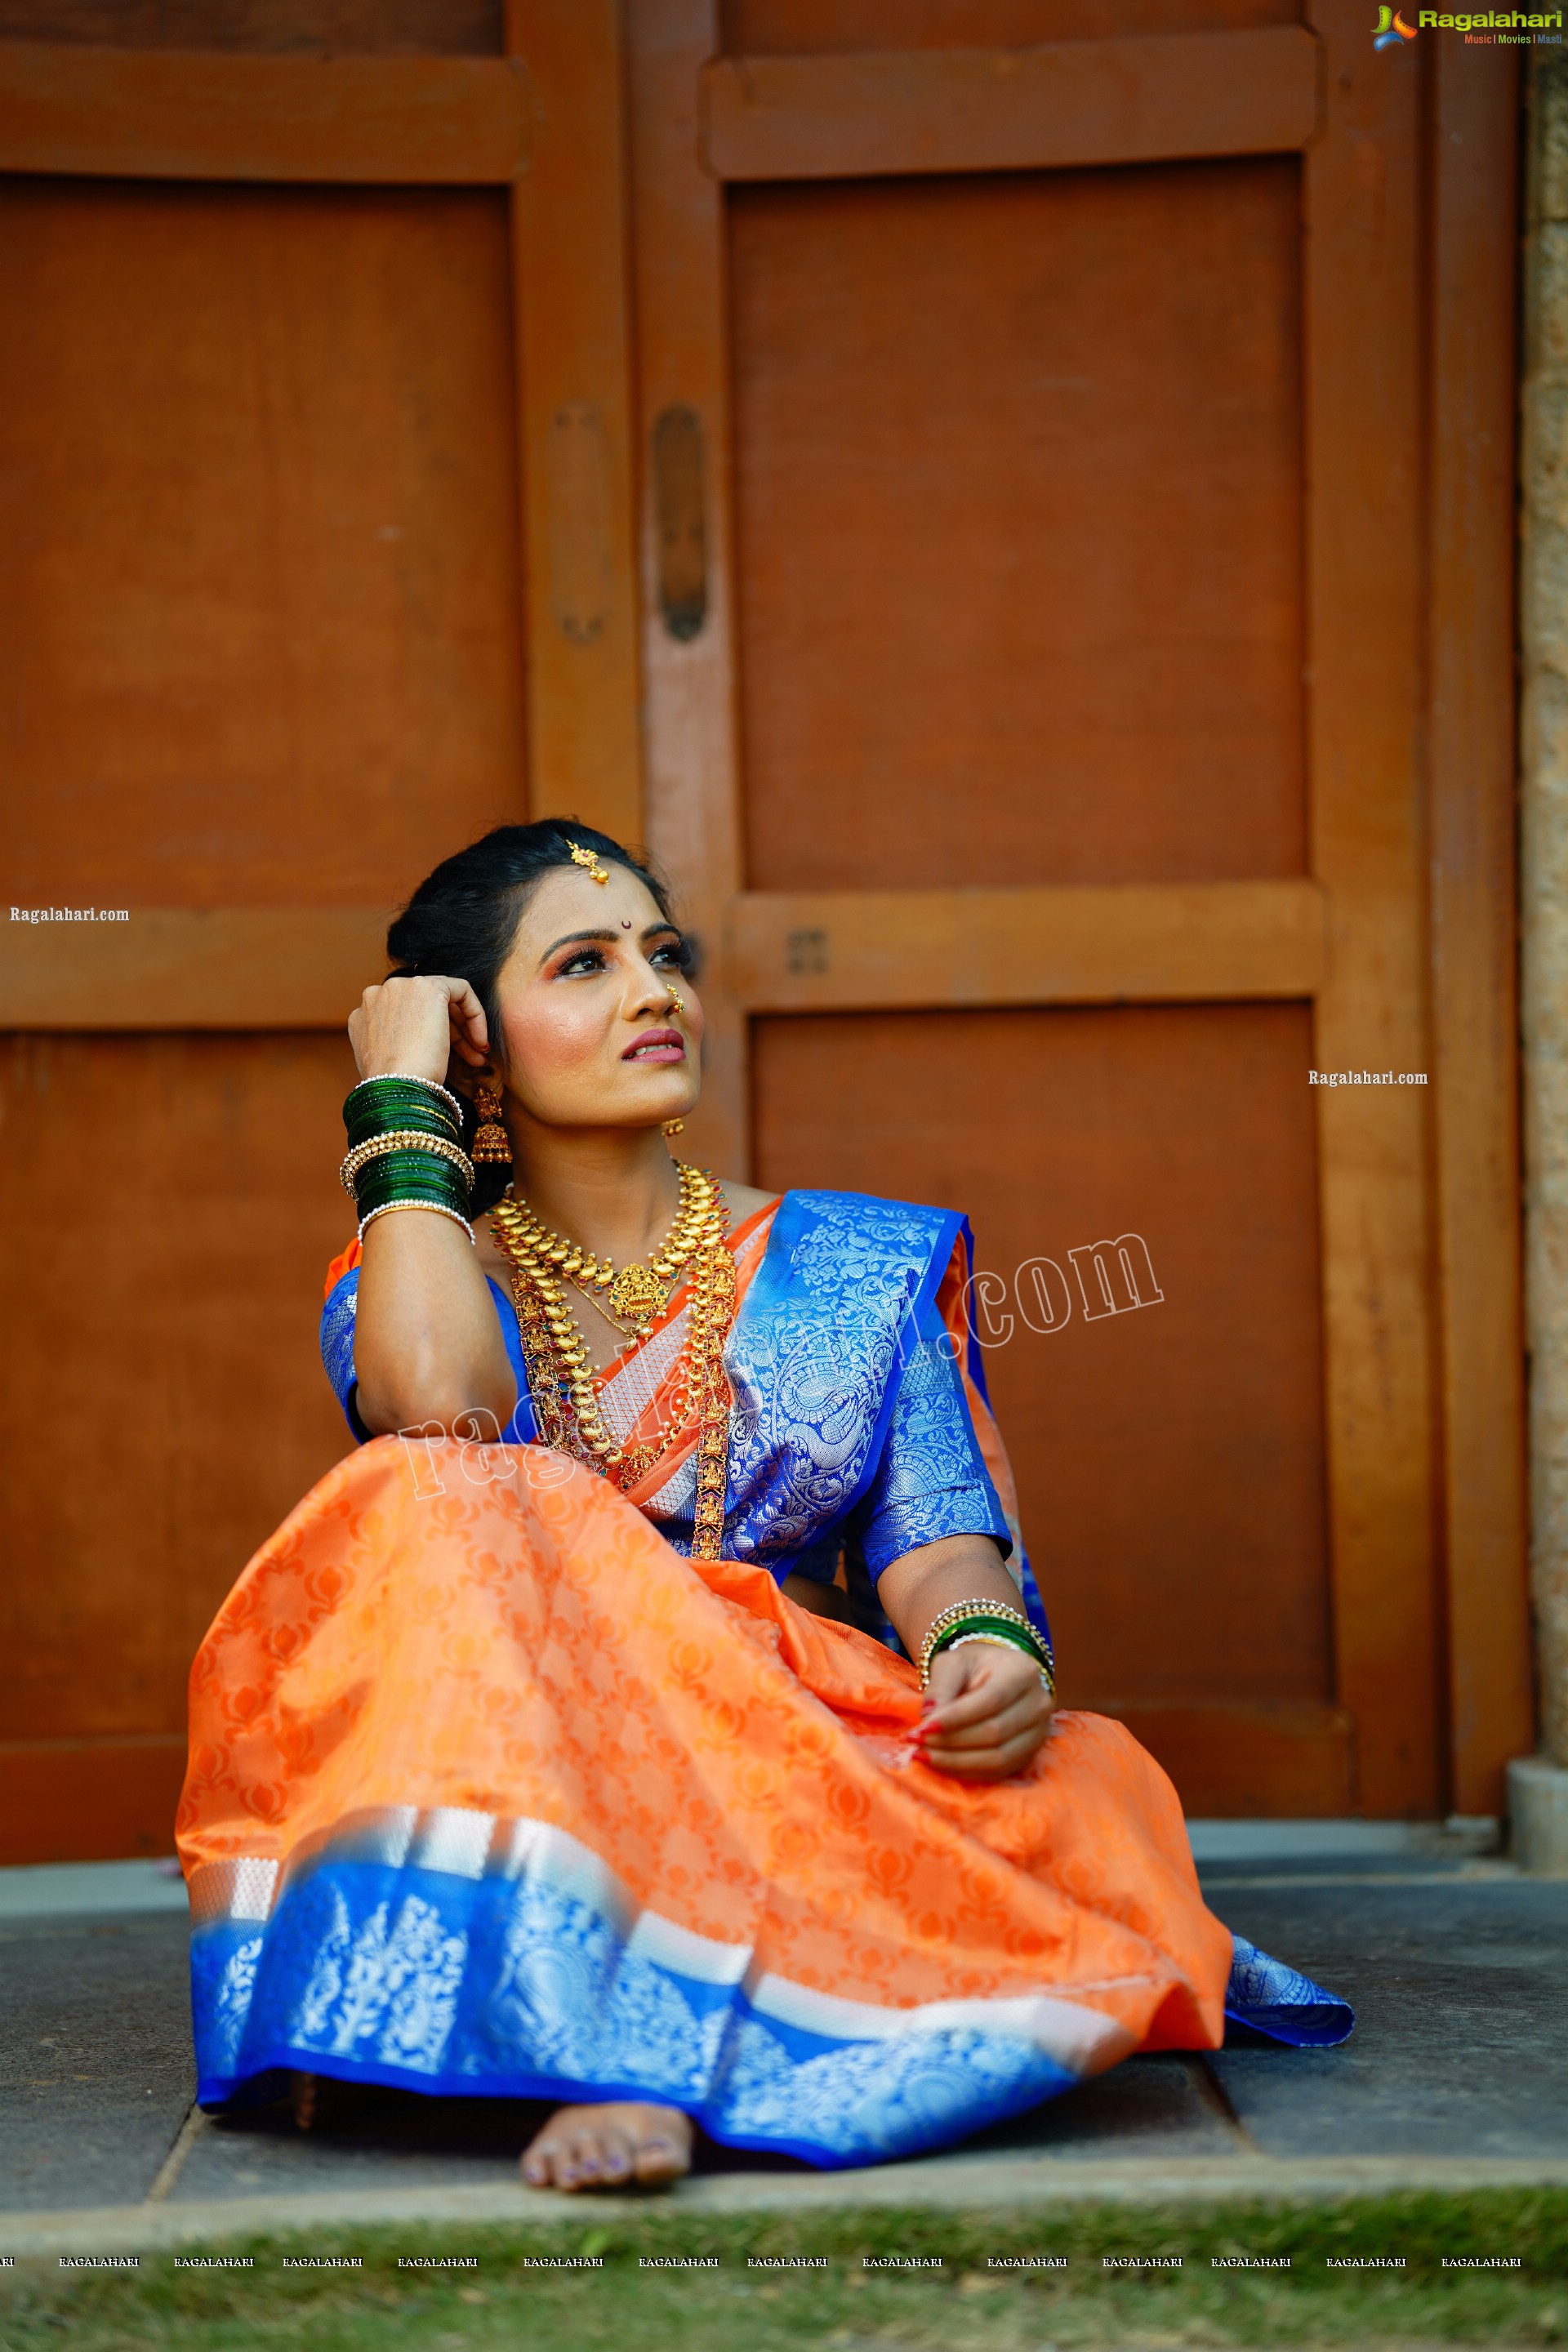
(637, 1294)
(623, 1330)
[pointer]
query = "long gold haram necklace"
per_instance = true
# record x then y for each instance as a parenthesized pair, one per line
(560, 1376)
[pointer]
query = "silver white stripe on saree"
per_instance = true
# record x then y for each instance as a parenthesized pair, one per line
(470, 1845)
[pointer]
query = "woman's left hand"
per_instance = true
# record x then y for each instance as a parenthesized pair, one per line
(989, 1712)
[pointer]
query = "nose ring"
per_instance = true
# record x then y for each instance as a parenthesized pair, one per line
(677, 998)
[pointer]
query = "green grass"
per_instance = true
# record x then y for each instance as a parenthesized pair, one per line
(962, 2307)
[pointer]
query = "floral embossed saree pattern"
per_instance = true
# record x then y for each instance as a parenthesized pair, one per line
(554, 1809)
(493, 1790)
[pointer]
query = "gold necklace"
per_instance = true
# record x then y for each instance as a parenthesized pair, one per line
(559, 1375)
(638, 1292)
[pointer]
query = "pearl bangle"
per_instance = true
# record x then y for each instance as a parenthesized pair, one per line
(436, 1208)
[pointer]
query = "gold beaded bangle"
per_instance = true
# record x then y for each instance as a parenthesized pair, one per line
(438, 1208)
(961, 1608)
(403, 1138)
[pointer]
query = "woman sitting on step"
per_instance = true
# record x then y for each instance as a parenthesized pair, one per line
(656, 1715)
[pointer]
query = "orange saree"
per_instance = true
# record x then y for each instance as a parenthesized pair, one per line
(494, 1789)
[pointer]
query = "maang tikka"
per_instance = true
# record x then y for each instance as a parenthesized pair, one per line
(491, 1142)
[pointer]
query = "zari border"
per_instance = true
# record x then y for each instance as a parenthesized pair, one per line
(455, 1842)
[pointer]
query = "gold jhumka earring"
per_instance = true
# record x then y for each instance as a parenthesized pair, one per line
(491, 1141)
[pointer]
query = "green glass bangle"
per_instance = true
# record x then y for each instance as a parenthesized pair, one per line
(415, 1116)
(1026, 1639)
(995, 1638)
(409, 1175)
(366, 1114)
(368, 1102)
(400, 1082)
(409, 1122)
(1022, 1637)
(407, 1160)
(410, 1155)
(403, 1139)
(998, 1633)
(425, 1174)
(400, 1090)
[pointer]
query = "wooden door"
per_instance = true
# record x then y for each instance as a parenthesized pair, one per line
(1048, 721)
(1047, 544)
(316, 545)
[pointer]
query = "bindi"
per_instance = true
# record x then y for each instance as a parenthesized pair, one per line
(626, 922)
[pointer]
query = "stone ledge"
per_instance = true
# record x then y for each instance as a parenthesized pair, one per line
(1000, 2184)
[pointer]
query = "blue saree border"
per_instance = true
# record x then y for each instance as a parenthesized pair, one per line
(460, 1955)
(499, 1988)
(1269, 1998)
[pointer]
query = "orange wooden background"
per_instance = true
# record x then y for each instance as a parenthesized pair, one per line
(1011, 501)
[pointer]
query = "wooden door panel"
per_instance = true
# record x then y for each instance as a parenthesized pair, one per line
(1060, 105)
(314, 463)
(259, 582)
(422, 28)
(1363, 296)
(262, 594)
(171, 1204)
(1019, 585)
(781, 27)
(1064, 613)
(1170, 1456)
(1018, 517)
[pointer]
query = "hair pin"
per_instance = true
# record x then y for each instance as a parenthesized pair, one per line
(589, 858)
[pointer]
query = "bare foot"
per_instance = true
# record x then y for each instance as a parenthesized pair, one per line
(610, 2146)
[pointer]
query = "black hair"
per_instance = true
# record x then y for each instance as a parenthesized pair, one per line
(463, 919)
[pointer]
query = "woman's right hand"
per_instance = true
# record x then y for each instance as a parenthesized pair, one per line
(412, 1024)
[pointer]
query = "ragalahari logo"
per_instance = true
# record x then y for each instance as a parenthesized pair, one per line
(1390, 29)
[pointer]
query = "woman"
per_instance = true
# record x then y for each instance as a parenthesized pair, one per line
(656, 1715)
